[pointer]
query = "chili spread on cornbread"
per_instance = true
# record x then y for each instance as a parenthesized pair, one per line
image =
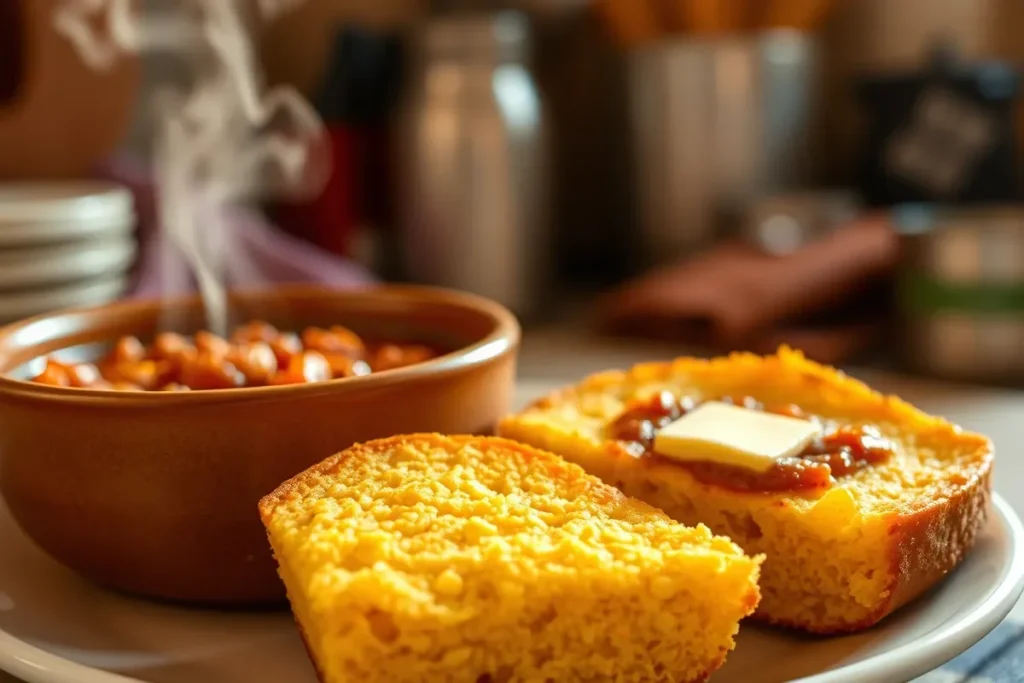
(839, 451)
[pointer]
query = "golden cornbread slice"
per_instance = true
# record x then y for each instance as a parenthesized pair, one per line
(839, 559)
(429, 559)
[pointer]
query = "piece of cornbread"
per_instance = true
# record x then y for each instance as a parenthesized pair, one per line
(838, 560)
(429, 559)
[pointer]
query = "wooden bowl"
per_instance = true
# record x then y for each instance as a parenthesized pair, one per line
(155, 493)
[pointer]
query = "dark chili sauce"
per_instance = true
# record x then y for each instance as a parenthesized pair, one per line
(839, 451)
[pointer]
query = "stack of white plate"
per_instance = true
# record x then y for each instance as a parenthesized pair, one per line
(62, 245)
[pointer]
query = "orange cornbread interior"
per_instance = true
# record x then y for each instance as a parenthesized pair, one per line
(838, 560)
(428, 559)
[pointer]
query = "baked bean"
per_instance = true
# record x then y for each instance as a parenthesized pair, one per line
(170, 345)
(209, 371)
(255, 354)
(391, 356)
(338, 339)
(54, 374)
(344, 365)
(128, 349)
(256, 360)
(148, 374)
(83, 375)
(284, 347)
(212, 344)
(305, 367)
(255, 331)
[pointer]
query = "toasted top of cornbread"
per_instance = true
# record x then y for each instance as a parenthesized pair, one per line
(933, 459)
(450, 520)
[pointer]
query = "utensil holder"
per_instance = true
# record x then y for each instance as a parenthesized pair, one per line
(715, 123)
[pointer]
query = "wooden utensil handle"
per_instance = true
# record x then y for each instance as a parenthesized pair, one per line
(631, 22)
(710, 17)
(801, 15)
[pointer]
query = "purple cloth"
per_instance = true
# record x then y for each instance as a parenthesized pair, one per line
(259, 254)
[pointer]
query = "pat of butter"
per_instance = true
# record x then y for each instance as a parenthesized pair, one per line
(731, 435)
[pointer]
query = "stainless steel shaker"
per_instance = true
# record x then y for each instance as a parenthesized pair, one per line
(472, 167)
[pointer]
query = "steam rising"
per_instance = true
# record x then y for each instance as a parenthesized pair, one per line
(226, 139)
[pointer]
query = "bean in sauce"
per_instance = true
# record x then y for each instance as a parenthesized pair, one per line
(256, 354)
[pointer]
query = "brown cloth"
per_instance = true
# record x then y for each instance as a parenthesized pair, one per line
(736, 296)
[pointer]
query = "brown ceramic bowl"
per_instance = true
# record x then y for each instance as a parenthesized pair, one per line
(155, 493)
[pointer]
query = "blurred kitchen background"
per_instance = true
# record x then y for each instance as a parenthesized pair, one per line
(841, 176)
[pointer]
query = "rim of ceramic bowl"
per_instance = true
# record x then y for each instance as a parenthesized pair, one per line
(503, 338)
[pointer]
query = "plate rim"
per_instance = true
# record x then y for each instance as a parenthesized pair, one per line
(33, 664)
(923, 655)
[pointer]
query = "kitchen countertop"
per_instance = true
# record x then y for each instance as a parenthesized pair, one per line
(563, 355)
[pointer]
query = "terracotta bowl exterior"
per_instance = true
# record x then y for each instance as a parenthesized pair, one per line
(155, 493)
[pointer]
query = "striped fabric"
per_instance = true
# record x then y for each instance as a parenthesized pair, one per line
(999, 658)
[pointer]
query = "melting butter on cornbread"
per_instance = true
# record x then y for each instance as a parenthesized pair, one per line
(733, 435)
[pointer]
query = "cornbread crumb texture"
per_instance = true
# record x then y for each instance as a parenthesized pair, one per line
(839, 562)
(429, 558)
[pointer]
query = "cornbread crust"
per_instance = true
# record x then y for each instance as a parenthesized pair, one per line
(839, 563)
(700, 585)
(312, 658)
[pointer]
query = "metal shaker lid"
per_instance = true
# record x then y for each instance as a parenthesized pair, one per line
(498, 36)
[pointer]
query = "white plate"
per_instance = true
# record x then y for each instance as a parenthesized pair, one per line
(56, 628)
(65, 262)
(62, 202)
(16, 235)
(15, 305)
(46, 213)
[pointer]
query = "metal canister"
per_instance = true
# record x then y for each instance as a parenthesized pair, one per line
(472, 162)
(961, 291)
(716, 124)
